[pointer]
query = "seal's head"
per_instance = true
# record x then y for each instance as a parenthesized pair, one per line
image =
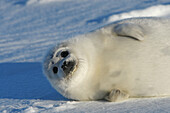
(63, 65)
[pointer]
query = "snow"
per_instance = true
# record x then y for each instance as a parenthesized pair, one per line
(43, 1)
(44, 106)
(154, 11)
(30, 27)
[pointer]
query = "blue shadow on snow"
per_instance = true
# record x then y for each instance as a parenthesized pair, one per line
(25, 81)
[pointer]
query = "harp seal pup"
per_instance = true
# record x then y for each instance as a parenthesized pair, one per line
(126, 59)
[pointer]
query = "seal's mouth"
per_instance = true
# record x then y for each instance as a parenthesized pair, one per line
(69, 67)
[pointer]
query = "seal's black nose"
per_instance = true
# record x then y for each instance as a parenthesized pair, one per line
(68, 66)
(55, 70)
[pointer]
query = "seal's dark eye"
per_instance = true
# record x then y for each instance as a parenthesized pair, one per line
(55, 70)
(64, 54)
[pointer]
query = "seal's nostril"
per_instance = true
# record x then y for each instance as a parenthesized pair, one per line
(55, 70)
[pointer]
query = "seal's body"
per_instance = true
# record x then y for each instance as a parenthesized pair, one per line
(129, 58)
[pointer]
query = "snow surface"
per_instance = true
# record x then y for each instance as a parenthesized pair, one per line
(30, 27)
(42, 1)
(154, 11)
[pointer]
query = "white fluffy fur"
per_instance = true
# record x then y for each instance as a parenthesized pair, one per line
(131, 56)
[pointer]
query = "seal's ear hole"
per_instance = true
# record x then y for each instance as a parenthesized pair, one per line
(64, 54)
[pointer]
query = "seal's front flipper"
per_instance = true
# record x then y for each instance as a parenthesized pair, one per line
(116, 96)
(131, 30)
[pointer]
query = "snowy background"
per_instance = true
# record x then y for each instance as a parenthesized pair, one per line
(28, 28)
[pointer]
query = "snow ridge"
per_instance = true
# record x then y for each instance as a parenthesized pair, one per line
(154, 11)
